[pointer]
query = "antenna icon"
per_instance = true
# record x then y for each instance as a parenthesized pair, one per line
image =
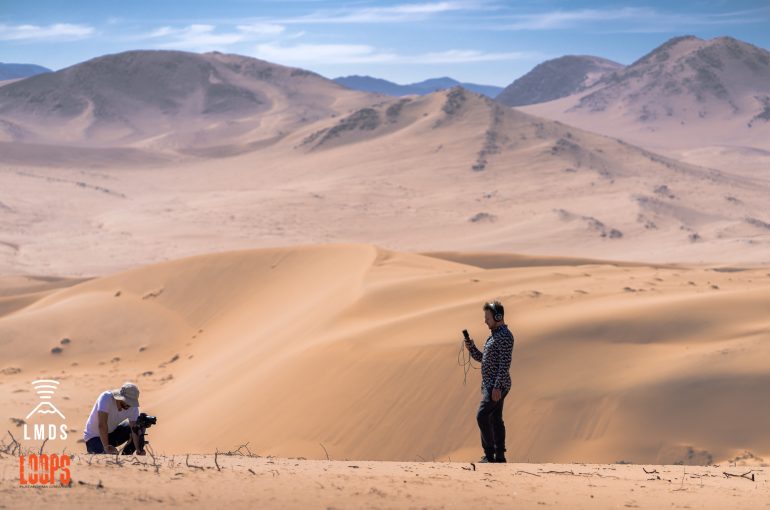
(45, 389)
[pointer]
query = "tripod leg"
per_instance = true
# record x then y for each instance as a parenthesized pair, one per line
(129, 448)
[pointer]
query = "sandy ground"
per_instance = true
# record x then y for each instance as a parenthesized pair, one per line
(356, 347)
(247, 482)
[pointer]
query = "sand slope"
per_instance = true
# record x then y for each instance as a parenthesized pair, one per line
(356, 347)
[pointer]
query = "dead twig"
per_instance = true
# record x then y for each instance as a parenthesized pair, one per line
(187, 462)
(43, 446)
(570, 472)
(327, 453)
(154, 461)
(216, 453)
(528, 473)
(16, 445)
(97, 485)
(744, 475)
(654, 471)
(117, 460)
(600, 475)
(238, 451)
(684, 473)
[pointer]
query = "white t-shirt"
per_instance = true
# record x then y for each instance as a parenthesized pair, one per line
(106, 403)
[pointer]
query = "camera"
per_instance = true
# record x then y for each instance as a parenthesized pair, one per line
(144, 420)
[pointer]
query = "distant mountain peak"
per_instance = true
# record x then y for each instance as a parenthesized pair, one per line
(556, 78)
(15, 71)
(143, 94)
(689, 88)
(389, 88)
(689, 75)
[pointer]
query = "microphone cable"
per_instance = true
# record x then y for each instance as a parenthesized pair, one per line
(465, 361)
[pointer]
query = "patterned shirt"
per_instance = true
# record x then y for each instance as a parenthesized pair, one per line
(496, 359)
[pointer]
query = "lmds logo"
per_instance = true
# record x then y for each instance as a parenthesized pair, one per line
(45, 469)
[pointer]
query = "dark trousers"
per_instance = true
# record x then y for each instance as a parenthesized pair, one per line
(490, 419)
(120, 435)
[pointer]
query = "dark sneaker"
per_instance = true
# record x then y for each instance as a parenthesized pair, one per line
(485, 460)
(500, 459)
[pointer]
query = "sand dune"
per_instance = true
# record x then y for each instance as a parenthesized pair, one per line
(356, 347)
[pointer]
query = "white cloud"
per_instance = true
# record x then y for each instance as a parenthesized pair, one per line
(567, 19)
(57, 31)
(466, 56)
(160, 32)
(199, 36)
(394, 13)
(634, 19)
(262, 29)
(321, 54)
(315, 54)
(206, 37)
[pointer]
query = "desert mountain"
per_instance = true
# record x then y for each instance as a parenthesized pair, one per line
(380, 86)
(14, 71)
(556, 78)
(166, 99)
(478, 176)
(687, 92)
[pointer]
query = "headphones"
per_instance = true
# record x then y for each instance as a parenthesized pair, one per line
(497, 314)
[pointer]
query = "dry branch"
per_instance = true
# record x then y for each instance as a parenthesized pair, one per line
(238, 451)
(744, 475)
(43, 446)
(16, 445)
(187, 462)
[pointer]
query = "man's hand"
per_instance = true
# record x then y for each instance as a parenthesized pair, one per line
(468, 344)
(496, 394)
(110, 449)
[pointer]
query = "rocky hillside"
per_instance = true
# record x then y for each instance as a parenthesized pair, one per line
(138, 95)
(556, 78)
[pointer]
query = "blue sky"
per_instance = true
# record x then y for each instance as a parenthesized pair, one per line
(481, 41)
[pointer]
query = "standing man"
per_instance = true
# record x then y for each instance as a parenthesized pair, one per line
(111, 422)
(495, 381)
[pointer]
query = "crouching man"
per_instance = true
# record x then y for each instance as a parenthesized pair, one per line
(112, 421)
